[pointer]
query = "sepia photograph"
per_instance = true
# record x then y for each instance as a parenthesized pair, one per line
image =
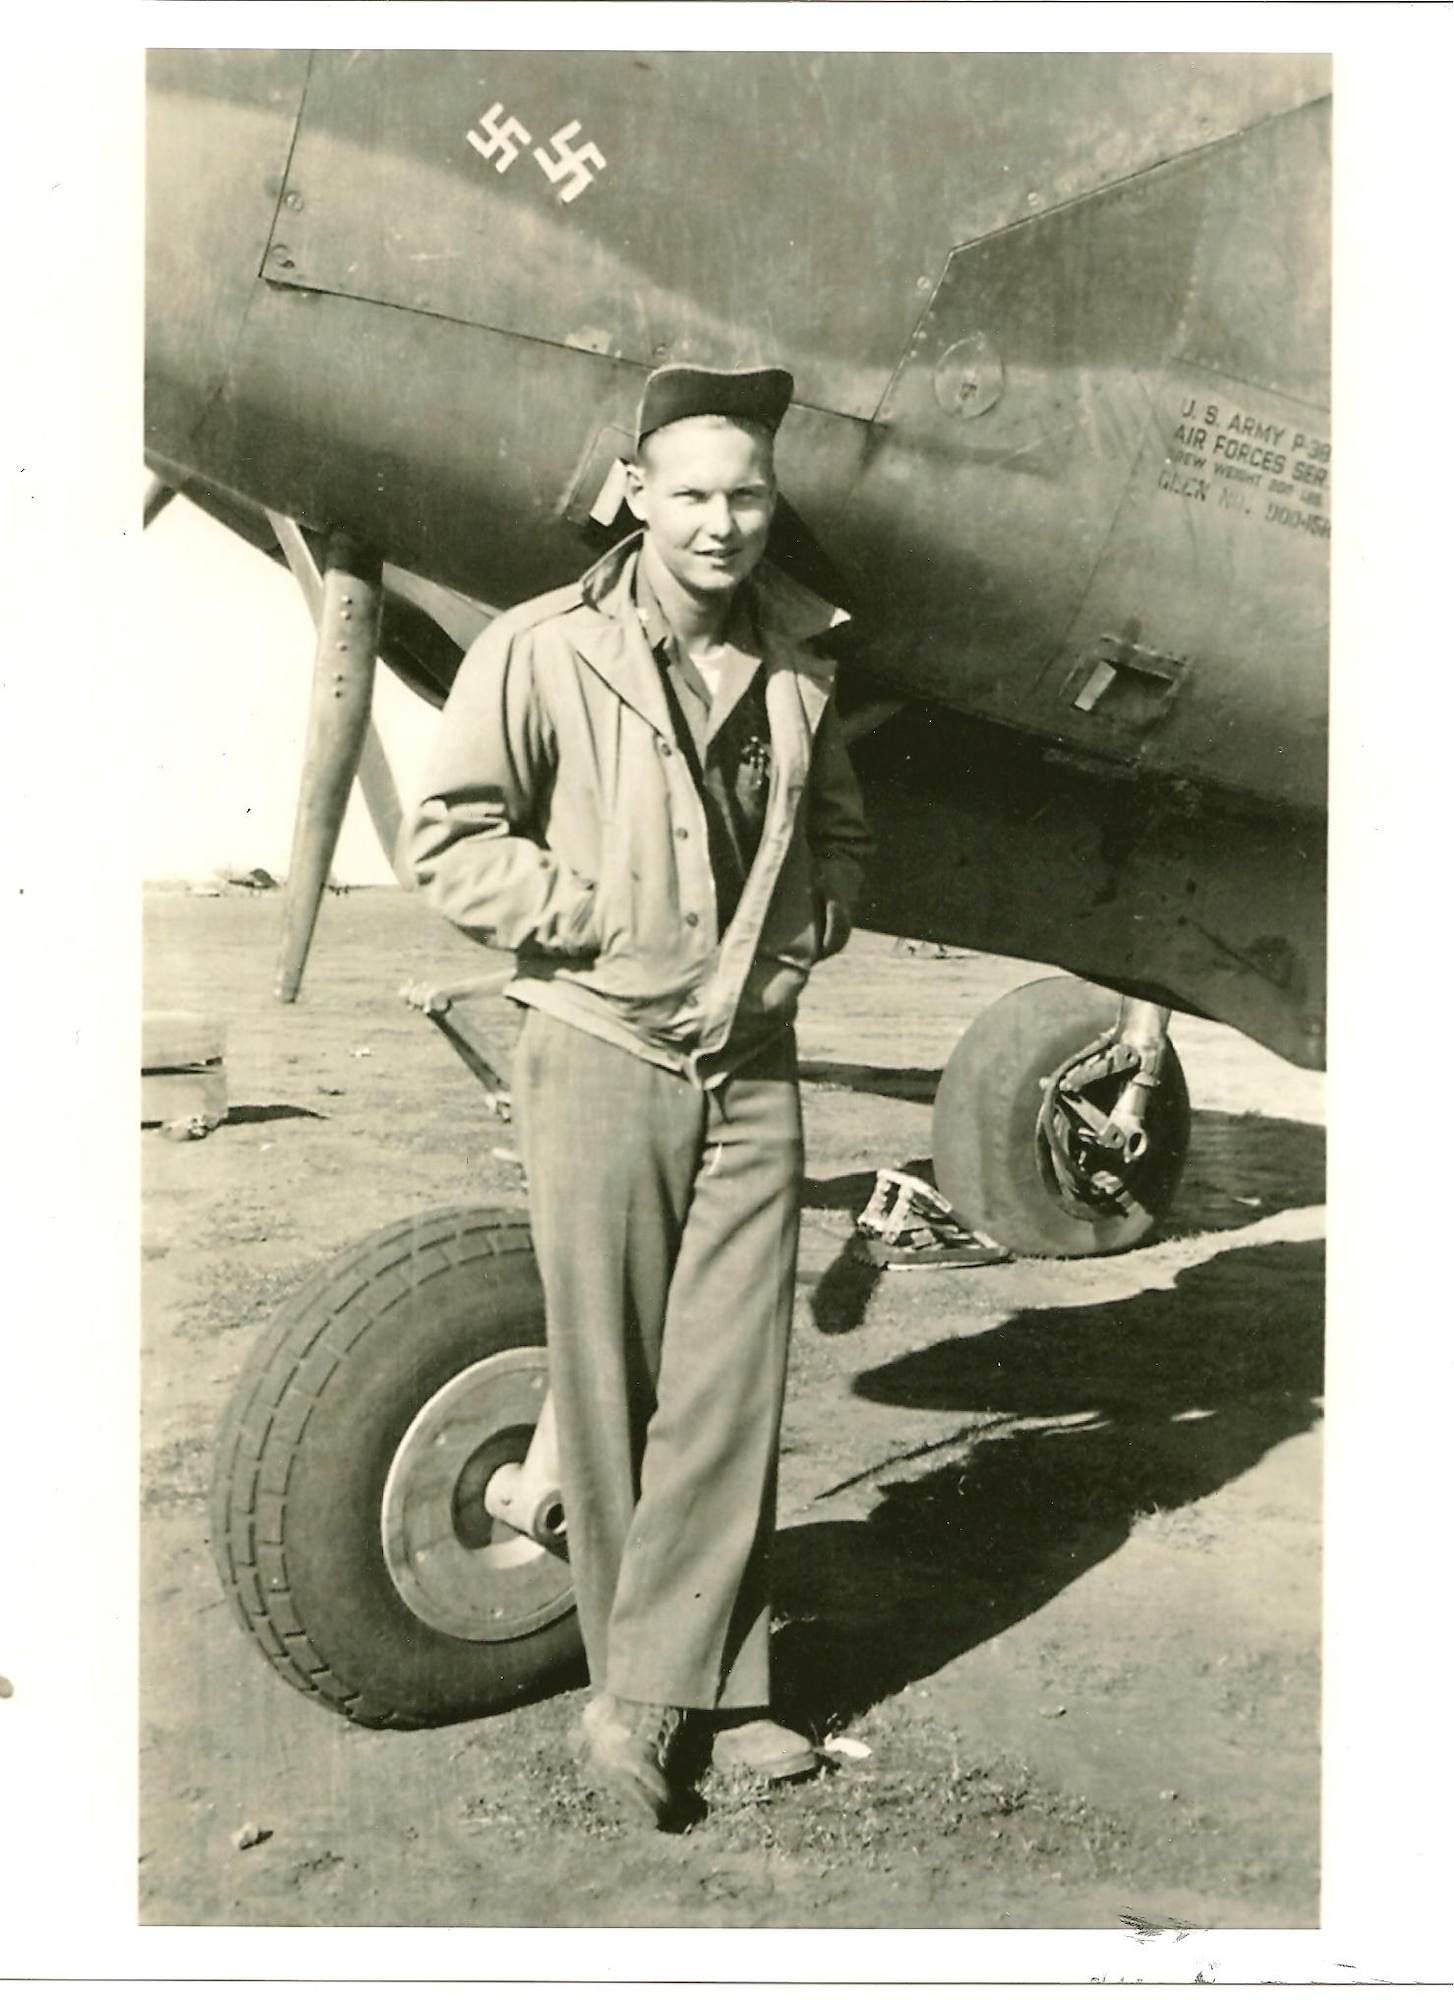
(862, 516)
(732, 684)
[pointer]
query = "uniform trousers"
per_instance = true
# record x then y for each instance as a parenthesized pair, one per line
(665, 1219)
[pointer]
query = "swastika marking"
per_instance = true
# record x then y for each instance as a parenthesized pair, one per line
(506, 137)
(575, 162)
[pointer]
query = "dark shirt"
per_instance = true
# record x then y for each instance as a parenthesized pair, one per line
(725, 739)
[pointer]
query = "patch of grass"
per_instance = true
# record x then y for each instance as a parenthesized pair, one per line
(917, 1798)
(239, 1294)
(540, 1788)
(176, 1478)
(1175, 1527)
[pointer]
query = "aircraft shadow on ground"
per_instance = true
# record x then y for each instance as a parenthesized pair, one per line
(912, 1086)
(1239, 1166)
(1131, 1407)
(1243, 1165)
(267, 1114)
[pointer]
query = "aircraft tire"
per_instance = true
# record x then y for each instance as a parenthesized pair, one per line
(989, 1158)
(443, 1314)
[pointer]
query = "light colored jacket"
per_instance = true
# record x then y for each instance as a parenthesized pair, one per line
(560, 820)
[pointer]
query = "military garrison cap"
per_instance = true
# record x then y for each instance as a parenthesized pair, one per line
(754, 395)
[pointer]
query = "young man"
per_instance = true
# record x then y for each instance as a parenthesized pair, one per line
(640, 786)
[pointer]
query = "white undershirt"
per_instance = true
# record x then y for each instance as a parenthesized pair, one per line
(708, 664)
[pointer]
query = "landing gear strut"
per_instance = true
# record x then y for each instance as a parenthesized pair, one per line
(349, 606)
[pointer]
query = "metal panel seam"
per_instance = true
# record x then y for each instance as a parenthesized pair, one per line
(225, 376)
(1193, 153)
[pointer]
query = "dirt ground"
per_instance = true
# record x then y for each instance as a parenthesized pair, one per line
(1049, 1535)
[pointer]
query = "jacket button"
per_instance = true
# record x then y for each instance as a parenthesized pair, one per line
(692, 918)
(681, 833)
(665, 748)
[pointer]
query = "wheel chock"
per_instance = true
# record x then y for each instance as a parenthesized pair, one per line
(908, 1225)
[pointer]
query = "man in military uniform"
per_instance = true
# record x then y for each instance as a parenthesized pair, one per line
(641, 787)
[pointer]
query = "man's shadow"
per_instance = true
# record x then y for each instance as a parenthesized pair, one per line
(1128, 1407)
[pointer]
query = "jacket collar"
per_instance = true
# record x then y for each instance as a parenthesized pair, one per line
(740, 634)
(739, 657)
(783, 607)
(615, 645)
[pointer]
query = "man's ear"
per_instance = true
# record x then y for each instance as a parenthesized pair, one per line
(635, 485)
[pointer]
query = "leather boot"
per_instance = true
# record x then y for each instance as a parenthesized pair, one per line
(626, 1748)
(762, 1748)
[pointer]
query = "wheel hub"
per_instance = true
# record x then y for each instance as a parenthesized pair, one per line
(458, 1569)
